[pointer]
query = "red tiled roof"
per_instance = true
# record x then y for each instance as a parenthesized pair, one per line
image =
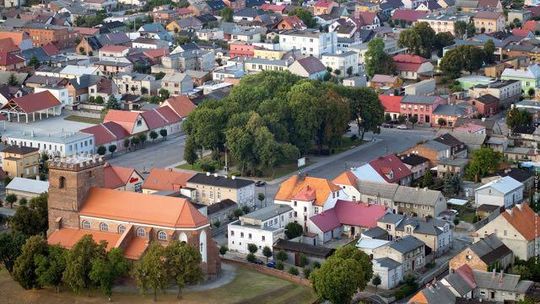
(524, 220)
(166, 179)
(273, 7)
(520, 32)
(465, 271)
(7, 45)
(156, 53)
(306, 194)
(346, 178)
(50, 49)
(116, 129)
(181, 105)
(168, 114)
(408, 62)
(102, 136)
(530, 25)
(390, 163)
(136, 247)
(153, 119)
(366, 18)
(293, 21)
(349, 213)
(34, 102)
(7, 58)
(391, 103)
(113, 48)
(127, 119)
(116, 176)
(323, 3)
(311, 64)
(408, 15)
(87, 31)
(68, 237)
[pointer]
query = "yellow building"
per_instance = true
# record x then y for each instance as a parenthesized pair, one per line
(173, 26)
(268, 54)
(20, 161)
(489, 22)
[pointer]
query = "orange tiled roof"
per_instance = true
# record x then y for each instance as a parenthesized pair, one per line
(34, 102)
(116, 176)
(140, 208)
(137, 246)
(419, 298)
(292, 186)
(181, 105)
(126, 119)
(306, 194)
(68, 237)
(16, 37)
(166, 179)
(346, 178)
(523, 219)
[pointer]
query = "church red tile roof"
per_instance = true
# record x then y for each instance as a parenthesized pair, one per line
(161, 179)
(68, 237)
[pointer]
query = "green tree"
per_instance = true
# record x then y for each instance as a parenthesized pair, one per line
(443, 40)
(293, 230)
(127, 142)
(376, 281)
(10, 248)
(489, 51)
(153, 135)
(413, 120)
(349, 71)
(441, 122)
(184, 263)
(471, 29)
(223, 249)
(282, 256)
(142, 138)
(151, 270)
(112, 149)
(50, 267)
(190, 154)
(483, 161)
(12, 80)
(227, 14)
(99, 100)
(163, 133)
(342, 275)
(79, 263)
(305, 15)
(531, 92)
(427, 180)
(24, 270)
(135, 141)
(261, 197)
(11, 198)
(34, 62)
(460, 28)
(101, 150)
(377, 61)
(518, 118)
(112, 103)
(365, 108)
(267, 252)
(107, 269)
(293, 270)
(252, 248)
(420, 39)
(164, 94)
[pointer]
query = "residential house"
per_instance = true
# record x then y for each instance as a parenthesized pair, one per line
(413, 67)
(310, 42)
(407, 16)
(504, 191)
(238, 49)
(448, 114)
(390, 272)
(122, 178)
(451, 167)
(43, 34)
(421, 107)
(419, 202)
(523, 176)
(210, 189)
(489, 22)
(295, 249)
(86, 208)
(154, 31)
(432, 150)
(507, 91)
(160, 180)
(108, 134)
(518, 228)
(27, 188)
(457, 148)
(308, 196)
(177, 83)
(181, 105)
(444, 22)
(391, 105)
(436, 234)
(262, 227)
(136, 84)
(309, 67)
(290, 23)
(345, 62)
(487, 105)
(132, 122)
(417, 164)
(385, 82)
(409, 251)
(347, 217)
(323, 7)
(20, 161)
(528, 77)
(486, 254)
(11, 61)
(256, 65)
(389, 168)
(20, 39)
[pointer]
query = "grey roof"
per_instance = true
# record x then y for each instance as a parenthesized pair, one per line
(435, 145)
(406, 244)
(469, 138)
(223, 205)
(391, 218)
(28, 185)
(4, 76)
(458, 283)
(310, 250)
(37, 52)
(388, 263)
(376, 233)
(84, 81)
(490, 249)
(383, 190)
(438, 293)
(417, 196)
(283, 63)
(430, 227)
(419, 99)
(501, 281)
(268, 212)
(450, 110)
(220, 181)
(311, 64)
(460, 162)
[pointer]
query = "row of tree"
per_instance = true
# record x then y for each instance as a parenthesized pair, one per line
(133, 141)
(466, 57)
(274, 117)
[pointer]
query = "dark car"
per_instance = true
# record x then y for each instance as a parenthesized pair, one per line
(271, 264)
(260, 183)
(258, 262)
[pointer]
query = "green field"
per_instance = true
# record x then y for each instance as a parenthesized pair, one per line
(83, 119)
(247, 287)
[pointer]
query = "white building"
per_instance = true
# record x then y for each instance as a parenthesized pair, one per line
(504, 191)
(136, 84)
(390, 272)
(61, 93)
(60, 144)
(309, 42)
(262, 228)
(342, 61)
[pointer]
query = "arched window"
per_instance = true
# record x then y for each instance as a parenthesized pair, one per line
(161, 235)
(202, 245)
(86, 225)
(103, 227)
(182, 237)
(121, 229)
(141, 232)
(61, 182)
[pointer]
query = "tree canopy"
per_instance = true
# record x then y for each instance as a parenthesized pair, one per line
(419, 39)
(483, 162)
(272, 118)
(305, 15)
(464, 57)
(377, 60)
(32, 219)
(518, 118)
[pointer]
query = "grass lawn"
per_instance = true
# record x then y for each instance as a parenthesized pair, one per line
(348, 143)
(83, 119)
(248, 287)
(466, 213)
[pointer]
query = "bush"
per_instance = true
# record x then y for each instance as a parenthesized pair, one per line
(280, 265)
(223, 249)
(207, 166)
(246, 209)
(307, 272)
(217, 223)
(456, 221)
(303, 261)
(238, 212)
(316, 265)
(251, 258)
(282, 256)
(293, 270)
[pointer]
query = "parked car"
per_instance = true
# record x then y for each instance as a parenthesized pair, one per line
(387, 125)
(260, 183)
(271, 264)
(402, 127)
(258, 262)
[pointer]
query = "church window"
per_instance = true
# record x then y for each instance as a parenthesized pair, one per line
(141, 232)
(121, 229)
(103, 227)
(162, 235)
(86, 225)
(61, 182)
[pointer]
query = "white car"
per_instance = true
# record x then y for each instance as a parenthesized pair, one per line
(402, 127)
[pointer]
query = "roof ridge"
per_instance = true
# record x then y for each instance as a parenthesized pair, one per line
(109, 131)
